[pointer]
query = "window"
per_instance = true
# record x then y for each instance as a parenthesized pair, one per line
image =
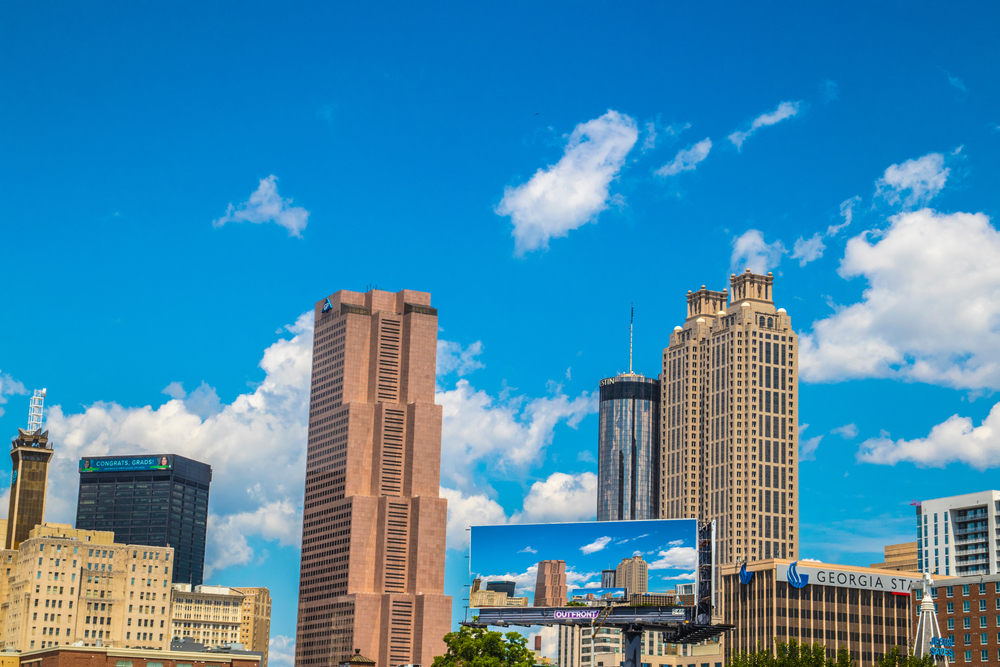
(984, 655)
(982, 622)
(966, 623)
(123, 663)
(951, 607)
(967, 637)
(983, 639)
(982, 589)
(965, 589)
(982, 605)
(965, 606)
(951, 624)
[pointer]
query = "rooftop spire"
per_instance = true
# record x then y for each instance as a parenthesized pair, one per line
(35, 411)
(630, 320)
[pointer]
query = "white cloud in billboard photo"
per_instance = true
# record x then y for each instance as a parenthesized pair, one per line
(596, 545)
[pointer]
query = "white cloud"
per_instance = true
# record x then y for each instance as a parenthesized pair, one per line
(930, 312)
(783, 111)
(256, 442)
(847, 431)
(846, 212)
(685, 576)
(11, 387)
(922, 178)
(687, 159)
(675, 558)
(560, 498)
(649, 142)
(808, 447)
(473, 510)
(451, 358)
(807, 250)
(955, 440)
(572, 192)
(673, 543)
(266, 205)
(281, 651)
(528, 550)
(750, 251)
(596, 545)
(509, 432)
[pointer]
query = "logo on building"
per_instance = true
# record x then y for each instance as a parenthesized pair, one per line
(745, 577)
(327, 306)
(795, 579)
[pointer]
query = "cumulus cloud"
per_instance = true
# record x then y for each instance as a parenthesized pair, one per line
(750, 251)
(687, 159)
(572, 192)
(783, 111)
(807, 250)
(596, 545)
(808, 447)
(560, 497)
(684, 576)
(453, 358)
(930, 311)
(10, 387)
(847, 431)
(266, 205)
(528, 550)
(507, 432)
(281, 650)
(920, 179)
(675, 558)
(955, 440)
(847, 213)
(256, 442)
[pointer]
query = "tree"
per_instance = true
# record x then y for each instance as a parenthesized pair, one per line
(479, 647)
(794, 654)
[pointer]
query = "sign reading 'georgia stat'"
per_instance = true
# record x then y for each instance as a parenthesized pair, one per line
(796, 573)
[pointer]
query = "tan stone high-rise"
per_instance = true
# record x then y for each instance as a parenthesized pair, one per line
(373, 534)
(633, 574)
(255, 624)
(730, 431)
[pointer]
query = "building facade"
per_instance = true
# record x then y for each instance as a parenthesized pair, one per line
(373, 540)
(968, 613)
(211, 615)
(30, 454)
(550, 584)
(628, 450)
(901, 557)
(255, 624)
(501, 586)
(632, 574)
(68, 585)
(730, 436)
(866, 611)
(75, 656)
(156, 500)
(955, 535)
(576, 649)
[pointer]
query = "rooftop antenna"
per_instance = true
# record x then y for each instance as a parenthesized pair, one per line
(631, 318)
(35, 411)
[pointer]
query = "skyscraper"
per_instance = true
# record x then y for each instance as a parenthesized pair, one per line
(633, 574)
(373, 538)
(730, 444)
(550, 584)
(30, 454)
(628, 449)
(970, 518)
(156, 500)
(501, 587)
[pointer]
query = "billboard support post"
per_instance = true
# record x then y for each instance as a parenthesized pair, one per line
(706, 579)
(633, 644)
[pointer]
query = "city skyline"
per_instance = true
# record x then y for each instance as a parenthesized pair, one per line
(182, 195)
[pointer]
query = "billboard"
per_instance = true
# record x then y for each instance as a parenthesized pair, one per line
(554, 563)
(126, 463)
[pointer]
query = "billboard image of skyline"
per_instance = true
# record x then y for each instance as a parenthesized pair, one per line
(512, 552)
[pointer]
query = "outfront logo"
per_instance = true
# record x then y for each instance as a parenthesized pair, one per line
(745, 577)
(795, 579)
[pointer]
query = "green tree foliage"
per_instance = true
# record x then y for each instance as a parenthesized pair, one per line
(794, 654)
(479, 647)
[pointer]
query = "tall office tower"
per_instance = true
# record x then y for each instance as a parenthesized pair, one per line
(158, 500)
(628, 448)
(255, 621)
(550, 584)
(633, 574)
(970, 522)
(608, 579)
(30, 453)
(502, 587)
(730, 442)
(373, 534)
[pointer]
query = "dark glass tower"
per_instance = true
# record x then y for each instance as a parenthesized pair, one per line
(156, 500)
(628, 463)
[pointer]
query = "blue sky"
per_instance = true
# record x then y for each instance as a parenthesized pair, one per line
(512, 552)
(538, 168)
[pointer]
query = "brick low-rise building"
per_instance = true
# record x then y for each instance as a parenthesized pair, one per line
(96, 656)
(864, 610)
(968, 611)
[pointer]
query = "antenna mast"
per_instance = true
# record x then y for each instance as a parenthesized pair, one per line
(35, 411)
(630, 319)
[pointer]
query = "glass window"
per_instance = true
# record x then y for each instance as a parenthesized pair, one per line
(982, 605)
(968, 638)
(966, 623)
(123, 663)
(965, 606)
(951, 607)
(965, 589)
